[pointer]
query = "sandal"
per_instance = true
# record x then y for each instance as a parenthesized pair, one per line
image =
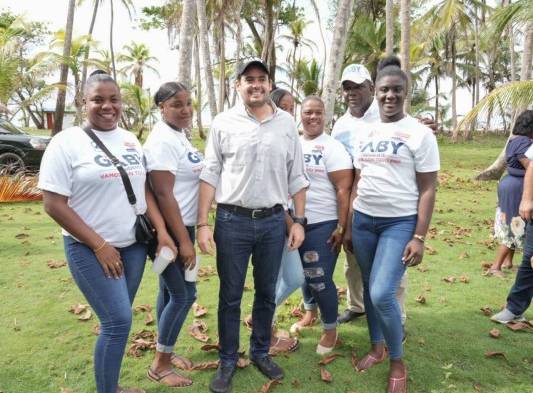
(495, 272)
(398, 385)
(283, 345)
(160, 378)
(323, 350)
(297, 327)
(180, 362)
(370, 360)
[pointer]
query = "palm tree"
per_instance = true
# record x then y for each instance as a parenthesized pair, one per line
(128, 4)
(204, 49)
(90, 33)
(322, 38)
(138, 108)
(308, 77)
(336, 55)
(188, 16)
(389, 23)
(10, 59)
(61, 94)
(405, 47)
(138, 58)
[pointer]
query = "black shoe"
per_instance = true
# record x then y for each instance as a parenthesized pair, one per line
(221, 382)
(349, 315)
(268, 367)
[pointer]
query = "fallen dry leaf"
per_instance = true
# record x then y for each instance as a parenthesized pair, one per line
(77, 308)
(464, 279)
(325, 375)
(198, 331)
(205, 365)
(243, 363)
(450, 279)
(491, 354)
(485, 265)
(148, 319)
(477, 387)
(354, 361)
(430, 250)
(22, 235)
(205, 271)
(55, 264)
(96, 329)
(247, 321)
(421, 299)
(464, 255)
(267, 386)
(328, 359)
(65, 390)
(297, 312)
(143, 308)
(422, 268)
(517, 326)
(141, 341)
(495, 333)
(341, 291)
(210, 347)
(487, 311)
(198, 311)
(85, 315)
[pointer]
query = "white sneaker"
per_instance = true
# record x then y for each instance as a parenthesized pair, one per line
(505, 316)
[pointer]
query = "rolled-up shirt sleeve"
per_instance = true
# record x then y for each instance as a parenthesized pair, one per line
(213, 158)
(297, 178)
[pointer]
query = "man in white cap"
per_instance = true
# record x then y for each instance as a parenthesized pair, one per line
(358, 94)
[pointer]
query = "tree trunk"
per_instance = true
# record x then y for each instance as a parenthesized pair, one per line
(111, 49)
(238, 44)
(525, 70)
(336, 54)
(86, 56)
(437, 100)
(513, 54)
(186, 42)
(455, 132)
(405, 46)
(315, 8)
(61, 94)
(389, 27)
(222, 60)
(496, 169)
(206, 57)
(198, 88)
(268, 54)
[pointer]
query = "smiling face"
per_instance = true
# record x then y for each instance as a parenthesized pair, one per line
(287, 104)
(390, 93)
(313, 118)
(254, 87)
(358, 96)
(177, 110)
(103, 105)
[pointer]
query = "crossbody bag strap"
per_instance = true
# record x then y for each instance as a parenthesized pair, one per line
(123, 174)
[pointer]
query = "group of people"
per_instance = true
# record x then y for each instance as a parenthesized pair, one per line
(369, 187)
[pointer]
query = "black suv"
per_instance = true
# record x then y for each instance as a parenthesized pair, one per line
(19, 150)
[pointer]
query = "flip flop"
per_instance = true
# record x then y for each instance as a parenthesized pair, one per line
(369, 361)
(160, 378)
(398, 385)
(180, 362)
(282, 345)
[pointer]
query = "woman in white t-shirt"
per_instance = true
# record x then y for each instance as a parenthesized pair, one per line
(174, 167)
(84, 193)
(330, 172)
(396, 163)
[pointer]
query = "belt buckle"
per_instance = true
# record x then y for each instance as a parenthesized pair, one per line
(258, 211)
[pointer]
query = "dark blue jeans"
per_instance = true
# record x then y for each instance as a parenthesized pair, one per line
(521, 293)
(174, 300)
(319, 264)
(237, 238)
(111, 300)
(379, 243)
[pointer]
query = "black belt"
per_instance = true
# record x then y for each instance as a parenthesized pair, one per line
(252, 213)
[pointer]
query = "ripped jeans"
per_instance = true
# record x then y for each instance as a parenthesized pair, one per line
(319, 264)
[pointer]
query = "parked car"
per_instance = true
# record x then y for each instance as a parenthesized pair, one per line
(20, 150)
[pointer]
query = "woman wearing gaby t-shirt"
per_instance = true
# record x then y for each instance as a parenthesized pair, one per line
(84, 193)
(174, 167)
(396, 163)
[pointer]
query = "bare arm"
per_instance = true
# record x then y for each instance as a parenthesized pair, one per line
(296, 231)
(56, 206)
(205, 235)
(414, 250)
(526, 204)
(163, 185)
(342, 180)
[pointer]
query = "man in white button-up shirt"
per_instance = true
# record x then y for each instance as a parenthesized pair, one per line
(253, 161)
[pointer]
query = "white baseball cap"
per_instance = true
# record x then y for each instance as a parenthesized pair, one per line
(356, 73)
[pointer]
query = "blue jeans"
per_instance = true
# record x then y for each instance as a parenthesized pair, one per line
(291, 275)
(111, 300)
(319, 262)
(174, 300)
(379, 243)
(237, 238)
(521, 293)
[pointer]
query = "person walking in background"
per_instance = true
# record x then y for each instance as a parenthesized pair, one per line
(330, 171)
(396, 161)
(508, 226)
(521, 293)
(174, 167)
(84, 193)
(253, 161)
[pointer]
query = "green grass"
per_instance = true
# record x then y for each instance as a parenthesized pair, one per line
(44, 347)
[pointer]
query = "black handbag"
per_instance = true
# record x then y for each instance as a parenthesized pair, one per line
(144, 230)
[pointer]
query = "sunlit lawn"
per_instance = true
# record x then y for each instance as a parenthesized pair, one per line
(45, 348)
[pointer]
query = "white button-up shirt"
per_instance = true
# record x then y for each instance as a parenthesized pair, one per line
(254, 164)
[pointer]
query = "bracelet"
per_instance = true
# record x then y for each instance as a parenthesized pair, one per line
(419, 237)
(340, 229)
(100, 247)
(204, 224)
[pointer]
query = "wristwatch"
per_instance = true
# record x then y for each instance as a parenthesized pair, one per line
(300, 220)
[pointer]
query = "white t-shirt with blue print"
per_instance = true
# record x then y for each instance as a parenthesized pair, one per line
(388, 156)
(166, 149)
